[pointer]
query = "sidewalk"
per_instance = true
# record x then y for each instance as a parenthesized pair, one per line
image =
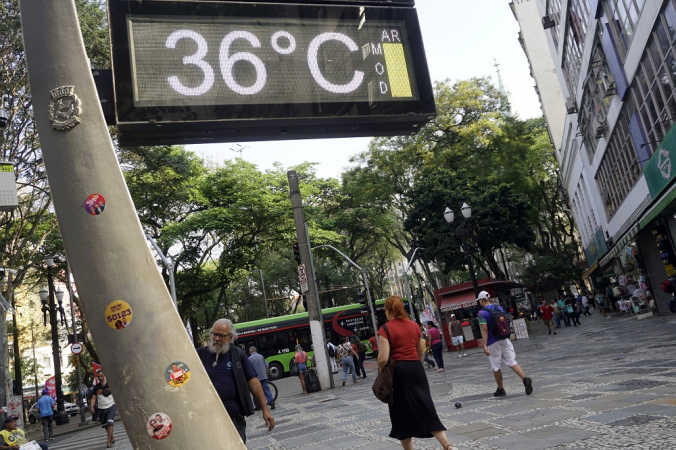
(34, 431)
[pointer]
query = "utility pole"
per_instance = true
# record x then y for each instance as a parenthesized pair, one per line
(316, 325)
(18, 383)
(83, 420)
(111, 263)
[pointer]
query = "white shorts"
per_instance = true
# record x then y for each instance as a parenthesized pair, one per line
(457, 340)
(501, 351)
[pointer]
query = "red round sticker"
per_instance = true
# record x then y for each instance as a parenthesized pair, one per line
(158, 426)
(95, 204)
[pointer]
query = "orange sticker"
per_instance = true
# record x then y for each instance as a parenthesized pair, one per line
(118, 315)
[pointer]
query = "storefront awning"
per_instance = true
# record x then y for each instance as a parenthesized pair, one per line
(460, 300)
(658, 208)
(622, 243)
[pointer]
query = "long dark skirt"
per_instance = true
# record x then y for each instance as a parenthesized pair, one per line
(412, 413)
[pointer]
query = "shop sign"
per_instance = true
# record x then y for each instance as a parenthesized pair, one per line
(661, 167)
(596, 248)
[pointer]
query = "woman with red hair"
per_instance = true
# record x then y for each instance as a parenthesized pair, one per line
(412, 412)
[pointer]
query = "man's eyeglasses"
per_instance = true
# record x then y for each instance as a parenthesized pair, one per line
(220, 336)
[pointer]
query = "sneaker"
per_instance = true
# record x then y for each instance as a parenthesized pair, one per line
(272, 405)
(357, 381)
(529, 385)
(499, 393)
(363, 377)
(459, 355)
(343, 383)
(440, 370)
(550, 332)
(554, 332)
(464, 354)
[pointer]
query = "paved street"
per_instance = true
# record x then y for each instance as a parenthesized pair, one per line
(605, 385)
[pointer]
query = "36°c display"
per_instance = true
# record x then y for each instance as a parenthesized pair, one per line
(189, 61)
(222, 71)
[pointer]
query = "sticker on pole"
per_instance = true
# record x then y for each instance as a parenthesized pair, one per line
(118, 315)
(95, 204)
(302, 276)
(76, 348)
(177, 374)
(159, 426)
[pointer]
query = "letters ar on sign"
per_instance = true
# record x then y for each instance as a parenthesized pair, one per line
(302, 276)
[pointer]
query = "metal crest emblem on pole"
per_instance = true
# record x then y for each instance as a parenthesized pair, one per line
(64, 108)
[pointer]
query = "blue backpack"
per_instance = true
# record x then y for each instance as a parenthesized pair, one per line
(498, 323)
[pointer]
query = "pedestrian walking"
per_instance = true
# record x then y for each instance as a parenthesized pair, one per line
(499, 350)
(233, 376)
(361, 350)
(564, 311)
(412, 413)
(457, 337)
(301, 361)
(12, 437)
(434, 342)
(573, 313)
(332, 355)
(106, 406)
(592, 299)
(373, 343)
(557, 313)
(260, 365)
(601, 302)
(348, 356)
(584, 303)
(46, 406)
(427, 351)
(547, 312)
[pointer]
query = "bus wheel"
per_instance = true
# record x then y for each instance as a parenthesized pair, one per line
(276, 371)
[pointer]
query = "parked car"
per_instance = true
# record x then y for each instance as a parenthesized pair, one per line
(34, 413)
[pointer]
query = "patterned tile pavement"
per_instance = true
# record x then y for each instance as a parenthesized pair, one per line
(608, 384)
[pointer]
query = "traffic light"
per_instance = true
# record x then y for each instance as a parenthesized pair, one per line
(296, 253)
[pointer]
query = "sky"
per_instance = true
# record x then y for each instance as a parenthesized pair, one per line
(461, 37)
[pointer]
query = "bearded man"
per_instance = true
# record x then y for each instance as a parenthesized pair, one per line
(233, 376)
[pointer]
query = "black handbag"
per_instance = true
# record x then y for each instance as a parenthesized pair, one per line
(383, 386)
(293, 368)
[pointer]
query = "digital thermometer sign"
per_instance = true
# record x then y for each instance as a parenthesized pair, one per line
(203, 71)
(179, 61)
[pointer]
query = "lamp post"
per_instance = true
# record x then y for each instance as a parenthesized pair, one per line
(61, 418)
(462, 233)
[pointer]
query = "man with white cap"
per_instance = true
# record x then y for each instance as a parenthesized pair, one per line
(495, 332)
(457, 338)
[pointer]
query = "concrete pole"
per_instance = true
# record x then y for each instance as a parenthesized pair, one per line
(106, 246)
(316, 325)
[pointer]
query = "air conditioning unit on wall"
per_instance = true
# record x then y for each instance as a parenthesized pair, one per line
(600, 126)
(571, 106)
(548, 21)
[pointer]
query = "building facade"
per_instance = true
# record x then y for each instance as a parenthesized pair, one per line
(615, 66)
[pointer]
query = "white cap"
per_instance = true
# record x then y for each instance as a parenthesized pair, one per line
(452, 315)
(483, 295)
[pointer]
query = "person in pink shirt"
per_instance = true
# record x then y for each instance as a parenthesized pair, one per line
(301, 360)
(434, 342)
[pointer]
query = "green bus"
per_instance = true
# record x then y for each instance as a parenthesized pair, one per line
(276, 338)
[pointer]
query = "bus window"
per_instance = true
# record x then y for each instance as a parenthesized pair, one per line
(283, 339)
(303, 336)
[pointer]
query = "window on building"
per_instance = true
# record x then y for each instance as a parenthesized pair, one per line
(619, 169)
(623, 17)
(598, 91)
(575, 34)
(654, 82)
(650, 107)
(554, 9)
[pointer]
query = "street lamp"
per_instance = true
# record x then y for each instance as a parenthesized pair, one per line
(462, 233)
(48, 304)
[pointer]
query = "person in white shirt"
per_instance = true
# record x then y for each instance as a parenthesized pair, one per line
(332, 349)
(585, 306)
